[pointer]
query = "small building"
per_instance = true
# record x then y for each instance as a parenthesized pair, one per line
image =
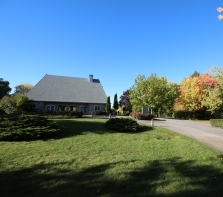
(59, 93)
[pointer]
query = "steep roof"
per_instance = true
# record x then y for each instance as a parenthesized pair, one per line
(68, 89)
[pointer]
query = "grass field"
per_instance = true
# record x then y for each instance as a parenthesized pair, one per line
(88, 160)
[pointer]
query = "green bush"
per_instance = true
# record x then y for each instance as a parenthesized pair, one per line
(182, 114)
(98, 112)
(26, 127)
(217, 123)
(123, 124)
(76, 114)
(63, 115)
(199, 114)
(14, 103)
(142, 116)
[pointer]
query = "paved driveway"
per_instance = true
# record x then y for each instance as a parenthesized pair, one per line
(200, 131)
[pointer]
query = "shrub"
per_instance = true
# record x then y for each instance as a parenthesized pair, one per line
(120, 111)
(142, 116)
(123, 124)
(26, 127)
(14, 103)
(182, 114)
(199, 114)
(63, 115)
(98, 112)
(76, 114)
(217, 123)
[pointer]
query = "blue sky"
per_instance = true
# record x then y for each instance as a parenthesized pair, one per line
(113, 40)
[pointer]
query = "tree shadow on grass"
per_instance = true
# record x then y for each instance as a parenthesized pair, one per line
(172, 177)
(76, 127)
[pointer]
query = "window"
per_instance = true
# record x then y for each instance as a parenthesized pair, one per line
(50, 108)
(73, 108)
(62, 108)
(97, 107)
(32, 106)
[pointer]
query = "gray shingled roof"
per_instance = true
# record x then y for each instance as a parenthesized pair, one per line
(68, 89)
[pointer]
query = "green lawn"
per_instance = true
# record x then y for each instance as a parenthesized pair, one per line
(88, 160)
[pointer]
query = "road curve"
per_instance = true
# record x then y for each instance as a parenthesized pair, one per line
(202, 132)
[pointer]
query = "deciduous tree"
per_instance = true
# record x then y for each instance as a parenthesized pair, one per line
(196, 93)
(23, 88)
(214, 94)
(154, 92)
(4, 88)
(124, 101)
(14, 103)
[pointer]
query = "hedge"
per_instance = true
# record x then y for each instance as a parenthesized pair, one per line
(142, 116)
(98, 112)
(199, 114)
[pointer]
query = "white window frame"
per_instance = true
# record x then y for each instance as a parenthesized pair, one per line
(50, 106)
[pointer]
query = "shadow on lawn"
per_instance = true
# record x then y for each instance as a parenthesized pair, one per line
(189, 180)
(76, 127)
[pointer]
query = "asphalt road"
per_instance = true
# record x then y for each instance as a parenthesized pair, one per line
(202, 132)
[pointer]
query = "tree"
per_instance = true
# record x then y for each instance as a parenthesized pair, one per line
(108, 105)
(23, 88)
(195, 93)
(190, 97)
(154, 92)
(4, 88)
(115, 104)
(195, 74)
(214, 94)
(124, 101)
(14, 103)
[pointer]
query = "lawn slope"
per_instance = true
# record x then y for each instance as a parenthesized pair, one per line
(88, 160)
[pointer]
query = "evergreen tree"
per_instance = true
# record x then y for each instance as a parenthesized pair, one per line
(195, 74)
(108, 105)
(115, 104)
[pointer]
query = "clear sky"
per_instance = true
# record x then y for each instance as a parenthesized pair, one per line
(115, 40)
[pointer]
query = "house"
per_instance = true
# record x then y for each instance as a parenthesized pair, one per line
(59, 93)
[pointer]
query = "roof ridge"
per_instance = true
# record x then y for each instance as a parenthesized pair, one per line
(65, 76)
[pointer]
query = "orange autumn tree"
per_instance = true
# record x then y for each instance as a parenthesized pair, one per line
(193, 94)
(214, 94)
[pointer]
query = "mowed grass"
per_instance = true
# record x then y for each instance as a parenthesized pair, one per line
(88, 160)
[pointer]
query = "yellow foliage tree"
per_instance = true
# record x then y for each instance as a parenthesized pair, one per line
(214, 94)
(120, 111)
(23, 88)
(190, 97)
(199, 92)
